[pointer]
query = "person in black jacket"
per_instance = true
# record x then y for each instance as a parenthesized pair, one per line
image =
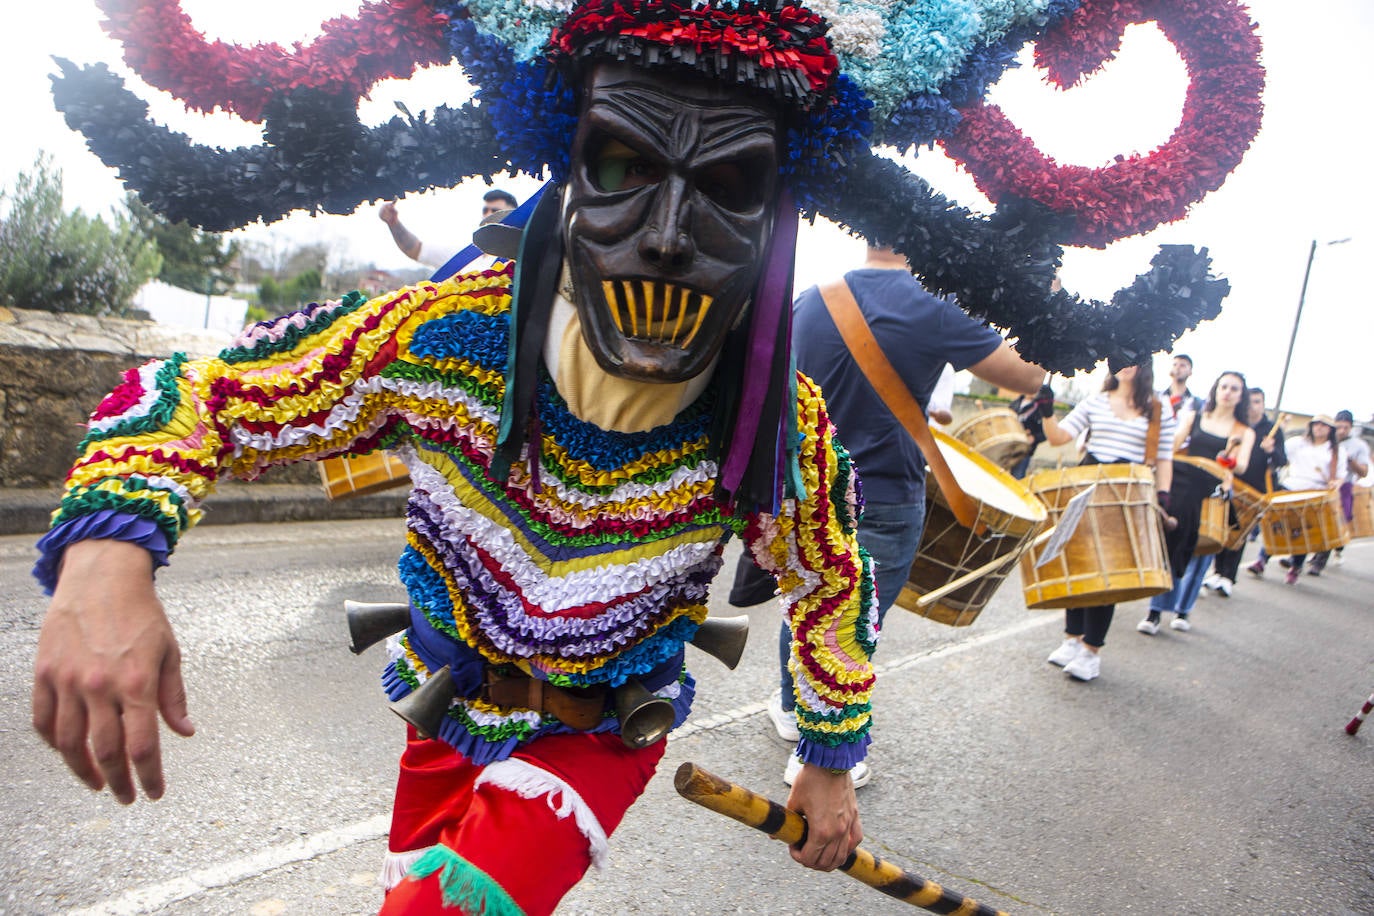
(1269, 456)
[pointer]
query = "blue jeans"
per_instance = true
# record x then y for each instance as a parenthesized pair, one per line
(1181, 598)
(891, 533)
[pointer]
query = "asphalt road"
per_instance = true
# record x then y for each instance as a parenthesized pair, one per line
(1203, 772)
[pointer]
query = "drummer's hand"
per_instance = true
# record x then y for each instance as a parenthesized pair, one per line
(833, 830)
(1267, 445)
(107, 664)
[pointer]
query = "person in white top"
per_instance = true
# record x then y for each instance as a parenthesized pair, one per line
(427, 253)
(941, 403)
(1357, 466)
(1315, 462)
(1118, 423)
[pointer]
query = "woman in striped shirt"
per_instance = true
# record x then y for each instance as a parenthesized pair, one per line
(1117, 421)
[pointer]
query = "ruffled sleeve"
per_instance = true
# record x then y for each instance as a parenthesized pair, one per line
(306, 385)
(826, 583)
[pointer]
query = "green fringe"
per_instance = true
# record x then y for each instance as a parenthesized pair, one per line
(464, 885)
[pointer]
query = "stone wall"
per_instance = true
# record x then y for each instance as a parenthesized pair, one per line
(55, 369)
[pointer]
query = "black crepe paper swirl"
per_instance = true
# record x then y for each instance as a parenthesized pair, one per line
(318, 156)
(999, 268)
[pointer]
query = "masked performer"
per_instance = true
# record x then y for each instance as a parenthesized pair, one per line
(586, 427)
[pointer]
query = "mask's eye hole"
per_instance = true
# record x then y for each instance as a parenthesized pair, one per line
(618, 167)
(736, 186)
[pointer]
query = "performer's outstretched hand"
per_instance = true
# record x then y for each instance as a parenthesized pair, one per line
(833, 830)
(107, 664)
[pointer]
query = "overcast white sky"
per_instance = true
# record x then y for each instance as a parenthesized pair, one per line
(1302, 179)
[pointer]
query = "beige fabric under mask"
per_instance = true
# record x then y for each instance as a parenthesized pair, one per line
(605, 400)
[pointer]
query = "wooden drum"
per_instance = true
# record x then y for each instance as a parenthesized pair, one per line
(1213, 526)
(995, 434)
(1013, 516)
(1117, 551)
(1247, 505)
(1303, 522)
(1362, 521)
(357, 475)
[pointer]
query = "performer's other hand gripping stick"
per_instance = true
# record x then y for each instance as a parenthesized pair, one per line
(710, 791)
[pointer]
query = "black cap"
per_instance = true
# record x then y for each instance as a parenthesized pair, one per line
(1345, 415)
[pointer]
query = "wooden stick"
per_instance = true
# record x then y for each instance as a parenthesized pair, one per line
(967, 578)
(710, 791)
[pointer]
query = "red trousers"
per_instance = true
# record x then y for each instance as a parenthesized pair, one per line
(520, 843)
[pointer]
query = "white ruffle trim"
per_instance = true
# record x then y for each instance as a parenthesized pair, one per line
(396, 864)
(529, 781)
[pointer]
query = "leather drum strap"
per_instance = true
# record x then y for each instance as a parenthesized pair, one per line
(1152, 434)
(858, 337)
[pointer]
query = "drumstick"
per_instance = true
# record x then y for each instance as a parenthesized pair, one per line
(1269, 436)
(934, 595)
(1354, 724)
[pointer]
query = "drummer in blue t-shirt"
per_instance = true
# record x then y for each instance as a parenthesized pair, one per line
(919, 333)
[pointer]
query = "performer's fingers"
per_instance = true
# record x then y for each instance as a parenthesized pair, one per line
(171, 695)
(144, 750)
(69, 732)
(108, 748)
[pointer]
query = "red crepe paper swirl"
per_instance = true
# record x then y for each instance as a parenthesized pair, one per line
(1221, 116)
(386, 39)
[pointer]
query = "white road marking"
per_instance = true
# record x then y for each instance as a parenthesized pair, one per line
(156, 896)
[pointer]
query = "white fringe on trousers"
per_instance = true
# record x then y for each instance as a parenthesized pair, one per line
(527, 781)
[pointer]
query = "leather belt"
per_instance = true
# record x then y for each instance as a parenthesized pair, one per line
(581, 708)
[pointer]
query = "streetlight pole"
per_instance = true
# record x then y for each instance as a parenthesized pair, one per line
(1293, 338)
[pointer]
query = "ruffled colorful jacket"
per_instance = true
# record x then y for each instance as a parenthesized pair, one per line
(589, 564)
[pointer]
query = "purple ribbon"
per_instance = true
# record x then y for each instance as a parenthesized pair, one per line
(771, 307)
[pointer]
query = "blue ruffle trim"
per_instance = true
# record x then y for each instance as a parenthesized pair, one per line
(842, 756)
(106, 524)
(478, 338)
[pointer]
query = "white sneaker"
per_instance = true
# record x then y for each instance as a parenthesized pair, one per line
(1066, 652)
(859, 774)
(1148, 627)
(1213, 582)
(1085, 666)
(1224, 587)
(784, 722)
(1181, 624)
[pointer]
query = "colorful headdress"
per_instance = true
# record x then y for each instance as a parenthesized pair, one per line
(852, 74)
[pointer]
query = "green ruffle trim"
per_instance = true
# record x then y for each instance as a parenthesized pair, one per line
(510, 728)
(490, 395)
(87, 501)
(158, 415)
(350, 302)
(464, 886)
(844, 472)
(866, 587)
(404, 671)
(651, 475)
(805, 718)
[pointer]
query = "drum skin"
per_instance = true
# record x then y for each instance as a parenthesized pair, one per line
(1012, 514)
(995, 434)
(1116, 553)
(1303, 522)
